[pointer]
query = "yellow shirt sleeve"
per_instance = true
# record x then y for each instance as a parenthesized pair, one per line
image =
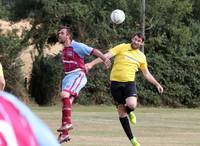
(143, 65)
(116, 49)
(1, 70)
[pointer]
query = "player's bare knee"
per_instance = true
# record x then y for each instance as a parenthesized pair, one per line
(132, 105)
(131, 102)
(65, 94)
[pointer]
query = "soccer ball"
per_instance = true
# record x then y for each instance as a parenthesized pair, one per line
(117, 16)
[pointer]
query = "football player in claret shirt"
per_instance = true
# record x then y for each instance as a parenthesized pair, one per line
(73, 54)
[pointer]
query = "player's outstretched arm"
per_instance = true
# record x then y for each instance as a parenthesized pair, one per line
(152, 80)
(2, 83)
(107, 62)
(2, 80)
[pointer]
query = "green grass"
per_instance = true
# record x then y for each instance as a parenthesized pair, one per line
(99, 126)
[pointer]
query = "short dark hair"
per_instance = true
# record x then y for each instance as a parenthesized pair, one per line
(68, 30)
(140, 35)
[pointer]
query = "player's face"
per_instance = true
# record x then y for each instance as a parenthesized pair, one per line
(62, 36)
(136, 42)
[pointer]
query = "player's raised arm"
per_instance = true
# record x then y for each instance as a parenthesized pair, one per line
(107, 62)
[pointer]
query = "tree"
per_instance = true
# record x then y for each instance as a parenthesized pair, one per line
(11, 47)
(171, 46)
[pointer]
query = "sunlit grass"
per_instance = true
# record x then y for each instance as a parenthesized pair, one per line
(99, 126)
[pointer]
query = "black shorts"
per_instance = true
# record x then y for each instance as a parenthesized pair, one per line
(121, 90)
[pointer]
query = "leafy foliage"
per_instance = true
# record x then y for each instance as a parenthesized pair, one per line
(97, 89)
(4, 10)
(45, 79)
(11, 46)
(171, 46)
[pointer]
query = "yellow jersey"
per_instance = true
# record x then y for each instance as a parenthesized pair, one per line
(126, 62)
(1, 70)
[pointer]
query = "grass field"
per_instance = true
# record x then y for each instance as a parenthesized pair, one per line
(99, 126)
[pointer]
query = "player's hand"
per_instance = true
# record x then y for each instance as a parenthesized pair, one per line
(159, 88)
(107, 63)
(88, 66)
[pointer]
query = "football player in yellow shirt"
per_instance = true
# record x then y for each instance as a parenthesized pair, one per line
(2, 80)
(127, 60)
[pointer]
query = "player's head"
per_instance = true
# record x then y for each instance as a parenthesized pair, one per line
(137, 40)
(64, 34)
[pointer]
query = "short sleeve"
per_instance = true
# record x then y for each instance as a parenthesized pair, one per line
(143, 64)
(115, 50)
(82, 49)
(86, 49)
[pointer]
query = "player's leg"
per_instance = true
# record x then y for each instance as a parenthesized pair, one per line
(67, 101)
(131, 100)
(71, 85)
(131, 103)
(119, 96)
(66, 112)
(64, 132)
(124, 120)
(66, 121)
(125, 124)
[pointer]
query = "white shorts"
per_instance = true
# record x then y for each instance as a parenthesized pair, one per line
(74, 82)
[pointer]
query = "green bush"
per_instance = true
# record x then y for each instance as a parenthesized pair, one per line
(180, 78)
(10, 48)
(45, 79)
(171, 46)
(97, 89)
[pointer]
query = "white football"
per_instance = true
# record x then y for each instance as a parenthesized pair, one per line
(117, 16)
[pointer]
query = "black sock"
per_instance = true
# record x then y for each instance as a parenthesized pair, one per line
(126, 126)
(128, 110)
